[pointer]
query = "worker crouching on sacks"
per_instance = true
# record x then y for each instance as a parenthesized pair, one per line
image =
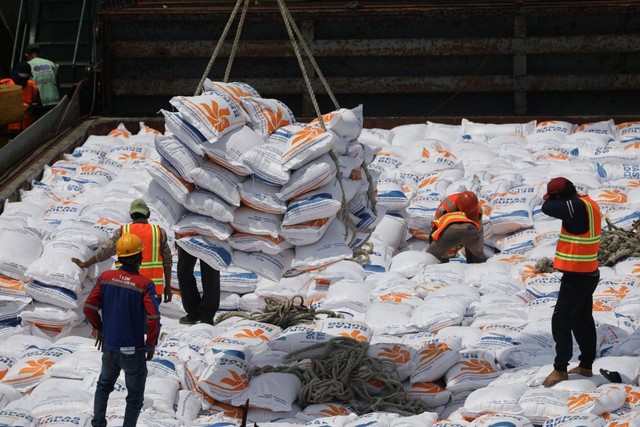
(457, 225)
(127, 301)
(156, 257)
(577, 258)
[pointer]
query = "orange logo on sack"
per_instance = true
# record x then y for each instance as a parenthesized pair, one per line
(356, 335)
(528, 272)
(253, 334)
(428, 181)
(432, 352)
(446, 153)
(617, 293)
(275, 120)
(577, 402)
(602, 307)
(613, 196)
(477, 366)
(395, 297)
(633, 397)
(89, 168)
(427, 388)
(117, 133)
(37, 367)
(513, 259)
(558, 156)
(636, 270)
(333, 410)
(217, 117)
(395, 353)
(236, 382)
(306, 134)
(325, 118)
(125, 157)
(3, 373)
(635, 146)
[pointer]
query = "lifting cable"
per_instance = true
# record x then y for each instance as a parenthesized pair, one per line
(297, 40)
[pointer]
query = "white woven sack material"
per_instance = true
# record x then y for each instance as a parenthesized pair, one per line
(397, 352)
(523, 355)
(390, 231)
(605, 399)
(61, 401)
(432, 316)
(322, 202)
(265, 163)
(251, 221)
(490, 130)
(169, 179)
(628, 367)
(347, 293)
(218, 180)
(376, 137)
(303, 143)
(424, 419)
(229, 301)
(262, 197)
(185, 132)
(521, 242)
(216, 253)
(346, 123)
(539, 404)
(309, 177)
(247, 242)
(164, 364)
(462, 294)
(390, 195)
(468, 335)
(629, 306)
(49, 316)
(355, 329)
(207, 226)
(238, 280)
(22, 375)
(511, 212)
(609, 196)
(430, 393)
(345, 269)
(271, 267)
(276, 391)
(609, 154)
(163, 393)
(20, 417)
(503, 400)
(62, 211)
(225, 375)
(329, 249)
(54, 266)
(475, 369)
(93, 173)
(213, 115)
(8, 394)
(613, 171)
(410, 263)
(18, 343)
(206, 203)
(129, 153)
(630, 266)
(64, 419)
(380, 257)
(408, 134)
(298, 337)
(77, 365)
(495, 420)
(388, 317)
(266, 115)
(55, 295)
(178, 155)
(12, 307)
(434, 358)
(575, 420)
(230, 149)
(189, 405)
(22, 210)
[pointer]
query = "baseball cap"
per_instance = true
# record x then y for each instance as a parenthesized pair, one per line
(557, 186)
(23, 69)
(139, 206)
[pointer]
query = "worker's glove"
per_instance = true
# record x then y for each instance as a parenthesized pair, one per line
(98, 343)
(168, 294)
(150, 351)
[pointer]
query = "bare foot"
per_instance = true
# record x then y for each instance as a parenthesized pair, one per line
(554, 378)
(579, 370)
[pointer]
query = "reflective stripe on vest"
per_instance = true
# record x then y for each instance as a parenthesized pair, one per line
(578, 253)
(448, 205)
(151, 266)
(446, 220)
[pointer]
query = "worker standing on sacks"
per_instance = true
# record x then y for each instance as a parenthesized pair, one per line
(156, 257)
(121, 307)
(577, 258)
(457, 225)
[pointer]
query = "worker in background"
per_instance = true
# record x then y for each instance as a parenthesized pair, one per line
(45, 74)
(156, 257)
(31, 101)
(121, 307)
(577, 258)
(198, 308)
(457, 225)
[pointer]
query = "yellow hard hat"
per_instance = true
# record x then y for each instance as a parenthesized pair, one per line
(128, 244)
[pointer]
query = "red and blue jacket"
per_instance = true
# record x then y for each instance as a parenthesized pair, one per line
(126, 300)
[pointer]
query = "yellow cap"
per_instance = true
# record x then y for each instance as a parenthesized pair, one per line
(128, 244)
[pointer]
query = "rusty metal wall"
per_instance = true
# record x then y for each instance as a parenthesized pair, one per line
(398, 58)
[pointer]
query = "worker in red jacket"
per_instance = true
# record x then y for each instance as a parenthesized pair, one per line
(31, 102)
(457, 225)
(127, 301)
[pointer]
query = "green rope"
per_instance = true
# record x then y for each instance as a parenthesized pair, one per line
(341, 371)
(282, 313)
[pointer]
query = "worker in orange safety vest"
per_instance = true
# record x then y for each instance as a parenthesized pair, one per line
(30, 96)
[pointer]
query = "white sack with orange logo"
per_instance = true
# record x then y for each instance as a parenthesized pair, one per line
(18, 417)
(629, 266)
(511, 212)
(434, 358)
(233, 90)
(213, 115)
(58, 212)
(94, 173)
(32, 367)
(226, 374)
(303, 143)
(390, 194)
(309, 177)
(271, 267)
(319, 413)
(495, 420)
(430, 393)
(261, 196)
(571, 420)
(607, 194)
(230, 148)
(613, 171)
(391, 348)
(431, 316)
(539, 404)
(475, 369)
(204, 226)
(276, 391)
(387, 159)
(492, 400)
(345, 328)
(297, 337)
(606, 398)
(266, 115)
(265, 163)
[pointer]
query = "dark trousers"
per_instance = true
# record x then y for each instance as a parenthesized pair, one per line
(198, 307)
(462, 234)
(574, 313)
(135, 375)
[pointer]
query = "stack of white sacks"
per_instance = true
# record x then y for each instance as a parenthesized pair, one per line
(471, 341)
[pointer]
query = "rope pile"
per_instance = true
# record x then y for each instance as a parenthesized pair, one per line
(544, 265)
(342, 372)
(282, 313)
(617, 243)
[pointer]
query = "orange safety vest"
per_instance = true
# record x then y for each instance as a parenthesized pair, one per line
(151, 266)
(440, 224)
(578, 253)
(448, 205)
(29, 96)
